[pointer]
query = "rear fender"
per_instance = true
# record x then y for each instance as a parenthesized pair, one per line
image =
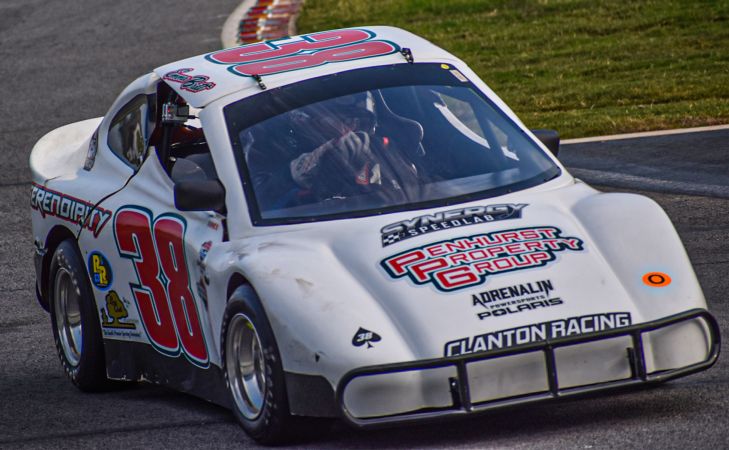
(43, 257)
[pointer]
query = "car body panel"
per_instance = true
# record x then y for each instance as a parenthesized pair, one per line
(420, 319)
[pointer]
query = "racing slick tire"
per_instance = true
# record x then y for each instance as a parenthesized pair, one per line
(254, 375)
(75, 321)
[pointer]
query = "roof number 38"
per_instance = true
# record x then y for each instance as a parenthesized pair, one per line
(267, 58)
(164, 300)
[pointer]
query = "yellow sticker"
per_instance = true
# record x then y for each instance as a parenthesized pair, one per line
(117, 311)
(445, 66)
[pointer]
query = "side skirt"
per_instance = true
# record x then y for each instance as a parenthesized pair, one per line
(134, 361)
(309, 395)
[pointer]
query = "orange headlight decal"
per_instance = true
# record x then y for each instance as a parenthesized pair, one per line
(656, 279)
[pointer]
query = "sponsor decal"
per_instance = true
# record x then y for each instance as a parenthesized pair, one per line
(538, 332)
(454, 218)
(459, 76)
(162, 291)
(515, 299)
(213, 225)
(466, 261)
(100, 271)
(204, 249)
(70, 209)
(365, 337)
(190, 83)
(656, 279)
(302, 52)
(115, 312)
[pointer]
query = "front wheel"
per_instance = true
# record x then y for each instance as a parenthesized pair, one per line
(254, 375)
(246, 367)
(75, 321)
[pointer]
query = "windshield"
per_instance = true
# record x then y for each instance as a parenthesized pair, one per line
(377, 140)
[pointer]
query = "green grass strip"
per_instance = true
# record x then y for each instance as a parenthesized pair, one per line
(584, 68)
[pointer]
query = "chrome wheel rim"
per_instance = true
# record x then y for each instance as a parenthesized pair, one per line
(245, 366)
(68, 315)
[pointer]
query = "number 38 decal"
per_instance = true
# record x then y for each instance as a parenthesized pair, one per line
(270, 57)
(164, 299)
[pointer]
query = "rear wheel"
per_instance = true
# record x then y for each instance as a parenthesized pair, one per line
(75, 320)
(255, 378)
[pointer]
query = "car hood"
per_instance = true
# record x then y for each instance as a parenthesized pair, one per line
(452, 274)
(534, 264)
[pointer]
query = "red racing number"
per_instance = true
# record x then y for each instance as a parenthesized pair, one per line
(339, 54)
(164, 299)
(267, 58)
(269, 50)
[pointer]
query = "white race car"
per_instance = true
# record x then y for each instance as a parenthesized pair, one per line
(348, 224)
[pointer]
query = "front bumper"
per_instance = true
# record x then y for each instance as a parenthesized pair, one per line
(649, 352)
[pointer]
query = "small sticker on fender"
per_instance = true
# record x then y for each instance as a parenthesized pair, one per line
(656, 279)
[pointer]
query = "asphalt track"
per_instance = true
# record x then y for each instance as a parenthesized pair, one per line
(63, 61)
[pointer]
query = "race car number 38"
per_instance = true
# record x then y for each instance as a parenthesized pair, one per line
(165, 302)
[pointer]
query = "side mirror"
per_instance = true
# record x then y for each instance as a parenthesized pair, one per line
(199, 195)
(549, 138)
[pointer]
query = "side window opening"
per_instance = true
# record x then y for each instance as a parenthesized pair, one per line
(180, 141)
(129, 131)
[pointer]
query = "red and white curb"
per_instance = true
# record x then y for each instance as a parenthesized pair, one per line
(261, 20)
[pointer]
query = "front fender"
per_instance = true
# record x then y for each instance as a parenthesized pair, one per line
(636, 237)
(314, 322)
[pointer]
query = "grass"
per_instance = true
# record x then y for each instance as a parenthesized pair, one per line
(582, 67)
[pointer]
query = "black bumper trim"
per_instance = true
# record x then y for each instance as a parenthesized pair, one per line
(310, 395)
(459, 385)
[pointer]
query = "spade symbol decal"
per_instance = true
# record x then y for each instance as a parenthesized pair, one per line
(362, 337)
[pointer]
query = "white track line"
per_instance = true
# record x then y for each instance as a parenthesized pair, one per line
(629, 181)
(616, 137)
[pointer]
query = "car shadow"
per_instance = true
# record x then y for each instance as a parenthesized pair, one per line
(509, 426)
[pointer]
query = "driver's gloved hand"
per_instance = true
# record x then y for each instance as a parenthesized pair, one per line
(354, 148)
(345, 154)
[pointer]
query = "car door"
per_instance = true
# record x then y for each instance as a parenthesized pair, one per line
(147, 266)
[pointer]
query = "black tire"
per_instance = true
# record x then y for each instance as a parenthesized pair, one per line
(85, 364)
(274, 423)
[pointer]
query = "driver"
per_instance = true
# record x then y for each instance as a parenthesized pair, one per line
(346, 162)
(327, 150)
